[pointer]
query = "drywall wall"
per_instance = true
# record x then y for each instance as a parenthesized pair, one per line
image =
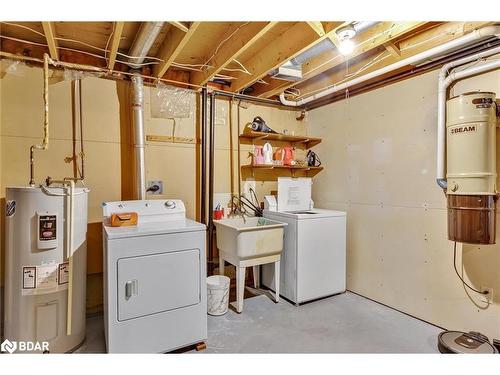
(108, 150)
(379, 155)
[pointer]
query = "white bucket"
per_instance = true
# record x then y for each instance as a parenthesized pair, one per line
(218, 294)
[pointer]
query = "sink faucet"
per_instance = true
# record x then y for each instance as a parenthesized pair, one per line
(237, 210)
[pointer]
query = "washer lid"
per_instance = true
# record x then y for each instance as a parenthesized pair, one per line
(315, 213)
(466, 343)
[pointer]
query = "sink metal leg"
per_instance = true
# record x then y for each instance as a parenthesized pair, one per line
(256, 277)
(240, 288)
(221, 264)
(277, 280)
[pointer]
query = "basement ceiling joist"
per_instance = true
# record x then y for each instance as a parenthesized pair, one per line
(296, 39)
(237, 40)
(380, 57)
(172, 46)
(374, 37)
(241, 53)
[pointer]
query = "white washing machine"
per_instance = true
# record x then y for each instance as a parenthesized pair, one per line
(154, 279)
(313, 261)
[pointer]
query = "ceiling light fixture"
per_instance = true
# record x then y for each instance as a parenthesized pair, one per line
(345, 35)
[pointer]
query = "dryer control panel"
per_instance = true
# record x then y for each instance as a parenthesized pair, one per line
(148, 210)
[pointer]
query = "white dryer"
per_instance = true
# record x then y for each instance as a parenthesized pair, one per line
(313, 261)
(154, 279)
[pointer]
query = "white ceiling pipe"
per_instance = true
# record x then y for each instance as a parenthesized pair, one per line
(452, 45)
(442, 96)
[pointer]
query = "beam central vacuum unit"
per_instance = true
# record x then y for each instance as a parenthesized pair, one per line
(46, 266)
(471, 167)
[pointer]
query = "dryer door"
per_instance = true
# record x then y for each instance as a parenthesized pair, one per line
(157, 283)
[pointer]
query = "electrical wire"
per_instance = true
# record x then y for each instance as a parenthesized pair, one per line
(107, 42)
(24, 27)
(456, 271)
(78, 51)
(224, 41)
(242, 66)
(223, 76)
(79, 42)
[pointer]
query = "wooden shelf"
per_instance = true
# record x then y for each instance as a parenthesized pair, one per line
(279, 171)
(294, 140)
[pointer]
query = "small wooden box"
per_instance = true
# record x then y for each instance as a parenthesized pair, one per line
(123, 219)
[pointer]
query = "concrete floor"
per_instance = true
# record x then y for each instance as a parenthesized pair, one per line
(345, 323)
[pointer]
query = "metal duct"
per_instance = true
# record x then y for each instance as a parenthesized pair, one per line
(361, 26)
(137, 101)
(143, 42)
(148, 32)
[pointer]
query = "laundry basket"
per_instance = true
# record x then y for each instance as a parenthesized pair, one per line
(218, 294)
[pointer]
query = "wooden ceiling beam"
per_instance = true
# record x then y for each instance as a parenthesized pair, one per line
(115, 43)
(317, 27)
(181, 26)
(173, 44)
(408, 47)
(372, 38)
(296, 39)
(393, 49)
(50, 34)
(241, 41)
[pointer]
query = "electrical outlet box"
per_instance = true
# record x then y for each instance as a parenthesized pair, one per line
(155, 187)
(487, 298)
(249, 184)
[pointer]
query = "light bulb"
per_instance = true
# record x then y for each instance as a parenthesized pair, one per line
(346, 46)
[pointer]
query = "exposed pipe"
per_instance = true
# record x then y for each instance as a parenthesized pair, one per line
(211, 182)
(137, 98)
(45, 141)
(146, 36)
(203, 199)
(443, 85)
(474, 36)
(76, 103)
(144, 40)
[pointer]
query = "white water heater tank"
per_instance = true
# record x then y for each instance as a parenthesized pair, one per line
(40, 270)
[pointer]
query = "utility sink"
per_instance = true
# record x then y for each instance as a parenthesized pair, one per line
(249, 238)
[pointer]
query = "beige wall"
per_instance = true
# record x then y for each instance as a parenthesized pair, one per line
(107, 147)
(379, 155)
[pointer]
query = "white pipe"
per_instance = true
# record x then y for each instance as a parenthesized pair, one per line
(443, 85)
(70, 251)
(452, 45)
(138, 125)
